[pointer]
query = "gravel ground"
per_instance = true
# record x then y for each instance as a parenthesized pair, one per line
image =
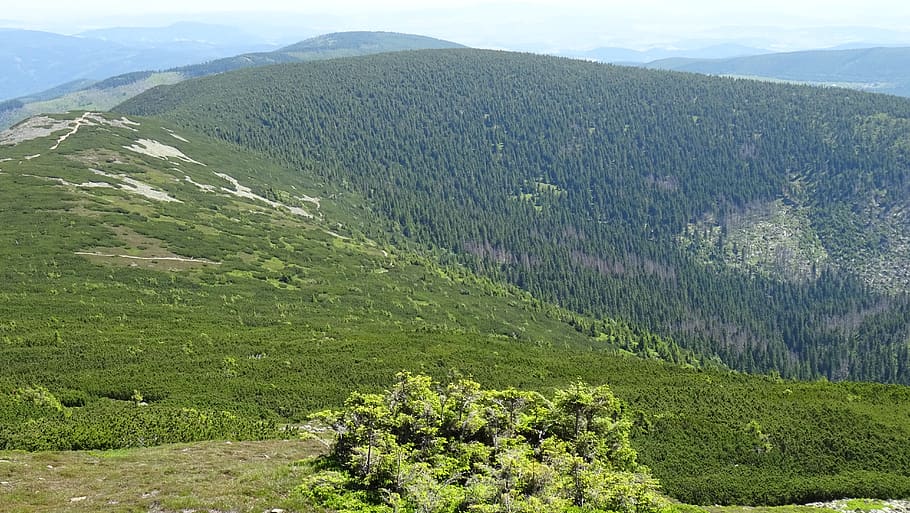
(890, 506)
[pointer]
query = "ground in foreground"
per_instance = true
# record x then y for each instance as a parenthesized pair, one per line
(208, 476)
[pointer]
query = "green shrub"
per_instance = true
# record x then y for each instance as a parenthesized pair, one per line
(431, 448)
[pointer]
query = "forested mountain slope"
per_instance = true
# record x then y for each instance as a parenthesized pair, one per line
(161, 286)
(762, 223)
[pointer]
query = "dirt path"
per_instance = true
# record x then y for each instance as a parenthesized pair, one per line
(78, 123)
(172, 259)
(43, 126)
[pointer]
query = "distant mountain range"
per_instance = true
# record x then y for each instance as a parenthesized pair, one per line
(882, 69)
(628, 56)
(70, 71)
(34, 61)
(202, 34)
(90, 94)
(328, 46)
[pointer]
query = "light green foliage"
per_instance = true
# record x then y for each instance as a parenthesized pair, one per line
(774, 239)
(790, 508)
(426, 447)
(762, 441)
(863, 505)
(38, 396)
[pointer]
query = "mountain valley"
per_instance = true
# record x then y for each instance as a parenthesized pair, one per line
(225, 257)
(613, 191)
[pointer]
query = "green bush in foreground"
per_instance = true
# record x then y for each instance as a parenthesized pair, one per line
(426, 447)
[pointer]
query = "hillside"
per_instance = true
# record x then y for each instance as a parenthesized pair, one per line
(764, 224)
(159, 286)
(104, 94)
(230, 251)
(881, 70)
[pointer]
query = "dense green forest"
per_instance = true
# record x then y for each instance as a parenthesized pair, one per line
(763, 224)
(147, 298)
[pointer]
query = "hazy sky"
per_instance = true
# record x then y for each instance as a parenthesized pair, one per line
(544, 23)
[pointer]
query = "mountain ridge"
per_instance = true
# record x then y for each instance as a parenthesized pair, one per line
(104, 94)
(618, 55)
(877, 69)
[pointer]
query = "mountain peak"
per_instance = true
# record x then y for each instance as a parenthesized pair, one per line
(367, 40)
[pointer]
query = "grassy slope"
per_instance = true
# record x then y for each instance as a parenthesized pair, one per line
(294, 318)
(243, 476)
(91, 97)
(295, 290)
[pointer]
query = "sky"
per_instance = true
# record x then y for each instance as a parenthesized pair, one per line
(533, 24)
